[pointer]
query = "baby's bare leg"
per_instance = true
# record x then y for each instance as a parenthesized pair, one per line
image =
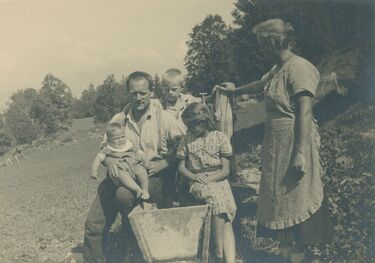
(128, 181)
(142, 177)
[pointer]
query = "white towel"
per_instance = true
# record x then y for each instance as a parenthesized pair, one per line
(223, 112)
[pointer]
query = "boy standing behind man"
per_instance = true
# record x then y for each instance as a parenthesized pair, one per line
(173, 100)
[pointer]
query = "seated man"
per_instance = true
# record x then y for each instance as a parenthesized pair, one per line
(155, 131)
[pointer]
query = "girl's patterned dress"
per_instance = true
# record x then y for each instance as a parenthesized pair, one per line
(203, 157)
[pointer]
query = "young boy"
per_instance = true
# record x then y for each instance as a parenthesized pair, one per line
(131, 158)
(173, 99)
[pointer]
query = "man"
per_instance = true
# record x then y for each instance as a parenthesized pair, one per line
(155, 131)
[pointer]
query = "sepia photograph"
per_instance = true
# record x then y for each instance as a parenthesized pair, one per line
(187, 131)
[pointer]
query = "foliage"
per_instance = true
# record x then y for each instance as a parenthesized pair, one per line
(208, 60)
(20, 124)
(232, 54)
(348, 155)
(5, 142)
(84, 107)
(110, 99)
(53, 110)
(158, 93)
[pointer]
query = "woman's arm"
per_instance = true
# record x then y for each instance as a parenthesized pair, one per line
(185, 172)
(223, 173)
(303, 129)
(251, 88)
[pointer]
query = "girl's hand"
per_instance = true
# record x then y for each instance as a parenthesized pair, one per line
(202, 179)
(94, 176)
(227, 86)
(299, 163)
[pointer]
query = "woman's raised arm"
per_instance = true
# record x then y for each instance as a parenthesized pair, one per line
(251, 88)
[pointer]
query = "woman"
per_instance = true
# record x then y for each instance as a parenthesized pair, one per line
(291, 203)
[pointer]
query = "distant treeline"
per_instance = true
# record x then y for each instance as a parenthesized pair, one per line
(216, 52)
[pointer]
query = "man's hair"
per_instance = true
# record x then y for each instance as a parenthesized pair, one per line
(172, 75)
(139, 75)
(113, 129)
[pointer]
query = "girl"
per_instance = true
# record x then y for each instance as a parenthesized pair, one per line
(203, 154)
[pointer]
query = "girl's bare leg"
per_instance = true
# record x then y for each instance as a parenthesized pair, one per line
(218, 231)
(142, 177)
(128, 181)
(229, 243)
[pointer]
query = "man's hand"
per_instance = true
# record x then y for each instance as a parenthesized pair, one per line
(157, 166)
(113, 165)
(298, 164)
(202, 179)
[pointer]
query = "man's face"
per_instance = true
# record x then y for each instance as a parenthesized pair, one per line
(172, 92)
(140, 94)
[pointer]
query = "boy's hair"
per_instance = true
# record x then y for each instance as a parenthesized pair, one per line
(174, 76)
(114, 129)
(197, 111)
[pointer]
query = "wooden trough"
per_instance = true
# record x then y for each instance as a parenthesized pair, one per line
(173, 235)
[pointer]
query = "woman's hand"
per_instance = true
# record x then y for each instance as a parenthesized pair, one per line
(227, 86)
(298, 164)
(202, 179)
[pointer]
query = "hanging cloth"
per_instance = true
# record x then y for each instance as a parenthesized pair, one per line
(223, 111)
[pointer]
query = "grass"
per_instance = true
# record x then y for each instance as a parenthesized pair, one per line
(45, 199)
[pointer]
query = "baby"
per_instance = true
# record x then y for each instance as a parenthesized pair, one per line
(130, 157)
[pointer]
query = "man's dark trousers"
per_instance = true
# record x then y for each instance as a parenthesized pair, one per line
(110, 200)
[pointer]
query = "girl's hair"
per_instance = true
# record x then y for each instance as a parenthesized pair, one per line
(114, 129)
(279, 33)
(197, 111)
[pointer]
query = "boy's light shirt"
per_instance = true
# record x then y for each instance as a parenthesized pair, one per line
(181, 103)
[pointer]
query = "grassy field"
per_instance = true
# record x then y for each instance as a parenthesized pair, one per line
(45, 199)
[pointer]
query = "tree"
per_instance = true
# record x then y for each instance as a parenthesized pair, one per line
(157, 86)
(20, 124)
(53, 110)
(110, 99)
(5, 142)
(208, 60)
(84, 107)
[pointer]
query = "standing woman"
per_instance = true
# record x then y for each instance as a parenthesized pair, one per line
(291, 204)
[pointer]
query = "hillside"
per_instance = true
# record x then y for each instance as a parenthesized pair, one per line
(45, 199)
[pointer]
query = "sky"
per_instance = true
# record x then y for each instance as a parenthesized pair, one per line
(83, 41)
